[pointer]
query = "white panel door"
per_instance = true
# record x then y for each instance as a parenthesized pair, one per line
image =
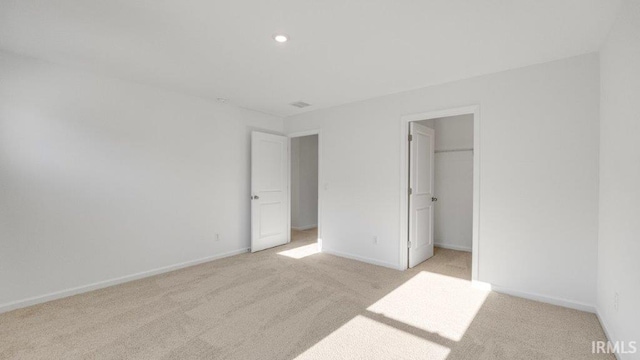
(269, 191)
(421, 180)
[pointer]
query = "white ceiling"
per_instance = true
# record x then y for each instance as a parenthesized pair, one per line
(340, 50)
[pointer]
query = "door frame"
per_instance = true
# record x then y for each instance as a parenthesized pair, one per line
(404, 180)
(320, 178)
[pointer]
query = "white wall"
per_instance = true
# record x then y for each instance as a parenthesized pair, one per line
(304, 182)
(452, 132)
(619, 238)
(102, 178)
(453, 181)
(538, 174)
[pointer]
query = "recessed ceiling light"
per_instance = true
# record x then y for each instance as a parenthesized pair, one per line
(280, 38)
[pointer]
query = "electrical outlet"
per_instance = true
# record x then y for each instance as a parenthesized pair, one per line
(375, 239)
(616, 301)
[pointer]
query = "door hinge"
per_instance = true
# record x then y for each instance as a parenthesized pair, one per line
(410, 137)
(409, 244)
(410, 191)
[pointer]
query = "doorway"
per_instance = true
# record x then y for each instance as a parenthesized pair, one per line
(285, 202)
(453, 181)
(304, 175)
(440, 184)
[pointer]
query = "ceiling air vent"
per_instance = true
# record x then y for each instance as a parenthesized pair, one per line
(300, 104)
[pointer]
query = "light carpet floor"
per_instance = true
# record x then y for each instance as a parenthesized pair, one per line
(293, 303)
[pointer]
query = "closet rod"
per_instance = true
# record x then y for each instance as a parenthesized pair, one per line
(452, 150)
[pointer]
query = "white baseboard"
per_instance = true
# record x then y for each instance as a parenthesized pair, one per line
(607, 331)
(106, 283)
(452, 247)
(360, 258)
(306, 227)
(536, 297)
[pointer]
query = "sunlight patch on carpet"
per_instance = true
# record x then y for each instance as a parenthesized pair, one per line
(302, 251)
(434, 303)
(364, 338)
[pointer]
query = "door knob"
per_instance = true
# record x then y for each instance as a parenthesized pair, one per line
(434, 199)
(255, 197)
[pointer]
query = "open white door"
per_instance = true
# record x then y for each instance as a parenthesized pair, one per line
(269, 191)
(421, 164)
